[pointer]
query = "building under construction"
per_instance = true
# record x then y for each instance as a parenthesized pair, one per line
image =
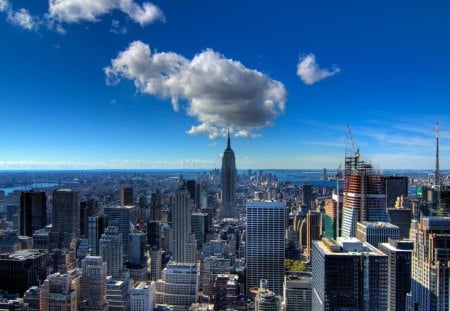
(364, 195)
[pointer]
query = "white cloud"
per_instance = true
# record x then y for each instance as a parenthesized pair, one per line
(73, 11)
(213, 132)
(3, 5)
(23, 19)
(246, 134)
(20, 17)
(309, 71)
(117, 28)
(220, 92)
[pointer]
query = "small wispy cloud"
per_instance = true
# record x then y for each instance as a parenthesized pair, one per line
(117, 28)
(74, 11)
(310, 72)
(20, 17)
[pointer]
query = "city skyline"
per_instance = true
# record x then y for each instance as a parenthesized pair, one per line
(153, 85)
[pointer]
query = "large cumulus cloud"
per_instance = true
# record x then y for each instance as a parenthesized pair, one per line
(219, 92)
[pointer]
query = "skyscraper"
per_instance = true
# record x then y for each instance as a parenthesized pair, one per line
(126, 196)
(313, 229)
(111, 251)
(348, 275)
(376, 232)
(364, 197)
(396, 186)
(430, 269)
(65, 216)
(33, 212)
(96, 227)
(87, 209)
(93, 284)
(184, 242)
(399, 271)
(123, 217)
(265, 241)
(228, 179)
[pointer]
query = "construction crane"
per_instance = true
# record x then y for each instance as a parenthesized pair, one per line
(355, 150)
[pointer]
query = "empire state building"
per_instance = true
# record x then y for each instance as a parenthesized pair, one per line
(228, 178)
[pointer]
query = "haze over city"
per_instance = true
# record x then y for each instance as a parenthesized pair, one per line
(139, 85)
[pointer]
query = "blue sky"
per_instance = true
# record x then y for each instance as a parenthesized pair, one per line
(135, 84)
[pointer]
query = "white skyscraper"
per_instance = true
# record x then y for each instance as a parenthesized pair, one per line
(184, 242)
(265, 240)
(111, 250)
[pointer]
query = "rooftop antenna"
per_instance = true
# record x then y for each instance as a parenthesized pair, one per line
(338, 173)
(437, 174)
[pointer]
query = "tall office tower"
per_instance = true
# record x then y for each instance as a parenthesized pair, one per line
(23, 269)
(225, 291)
(57, 293)
(401, 217)
(156, 263)
(33, 212)
(228, 179)
(136, 251)
(31, 297)
(307, 195)
(111, 251)
(348, 275)
(123, 217)
(65, 216)
(399, 272)
(396, 186)
(184, 242)
(298, 292)
(191, 186)
(265, 299)
(96, 227)
(126, 196)
(364, 197)
(93, 284)
(313, 229)
(199, 223)
(153, 233)
(265, 240)
(430, 270)
(329, 218)
(87, 209)
(376, 232)
(155, 206)
(178, 286)
(143, 296)
(138, 264)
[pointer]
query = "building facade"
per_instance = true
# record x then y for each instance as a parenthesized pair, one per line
(265, 243)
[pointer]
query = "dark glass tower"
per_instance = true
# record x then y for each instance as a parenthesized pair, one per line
(33, 211)
(228, 178)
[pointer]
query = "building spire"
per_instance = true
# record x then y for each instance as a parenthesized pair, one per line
(437, 172)
(228, 142)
